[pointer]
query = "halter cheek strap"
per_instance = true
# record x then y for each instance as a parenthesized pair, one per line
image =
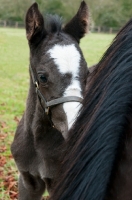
(47, 104)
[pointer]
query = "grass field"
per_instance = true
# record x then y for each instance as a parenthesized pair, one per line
(14, 78)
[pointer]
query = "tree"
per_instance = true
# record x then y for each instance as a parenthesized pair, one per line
(14, 10)
(103, 12)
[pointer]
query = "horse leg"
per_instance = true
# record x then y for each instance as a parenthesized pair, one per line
(30, 187)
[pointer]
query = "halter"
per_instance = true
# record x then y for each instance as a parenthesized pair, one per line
(47, 104)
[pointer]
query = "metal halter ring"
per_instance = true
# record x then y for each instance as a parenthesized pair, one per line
(47, 110)
(36, 85)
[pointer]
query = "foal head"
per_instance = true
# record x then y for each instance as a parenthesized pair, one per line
(57, 61)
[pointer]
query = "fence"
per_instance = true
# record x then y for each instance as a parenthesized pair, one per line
(96, 29)
(99, 29)
(4, 23)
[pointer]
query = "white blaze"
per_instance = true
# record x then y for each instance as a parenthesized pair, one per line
(67, 58)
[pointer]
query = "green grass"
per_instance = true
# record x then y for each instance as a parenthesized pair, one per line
(14, 79)
(94, 45)
(14, 55)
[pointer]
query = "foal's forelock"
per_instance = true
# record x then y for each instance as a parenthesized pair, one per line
(67, 60)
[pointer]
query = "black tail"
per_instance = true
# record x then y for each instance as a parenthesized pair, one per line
(97, 137)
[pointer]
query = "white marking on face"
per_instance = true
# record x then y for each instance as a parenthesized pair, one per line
(72, 108)
(67, 58)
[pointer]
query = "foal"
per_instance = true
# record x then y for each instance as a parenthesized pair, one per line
(58, 75)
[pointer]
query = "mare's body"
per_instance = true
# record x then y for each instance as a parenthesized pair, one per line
(99, 163)
(57, 69)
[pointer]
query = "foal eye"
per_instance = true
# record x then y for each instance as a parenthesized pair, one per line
(43, 78)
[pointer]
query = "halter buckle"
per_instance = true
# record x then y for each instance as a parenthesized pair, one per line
(47, 110)
(36, 85)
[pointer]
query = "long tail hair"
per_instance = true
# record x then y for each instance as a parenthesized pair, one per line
(98, 134)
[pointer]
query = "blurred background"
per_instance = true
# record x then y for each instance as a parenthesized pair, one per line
(105, 14)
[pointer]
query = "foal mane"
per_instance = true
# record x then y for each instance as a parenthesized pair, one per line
(53, 23)
(97, 137)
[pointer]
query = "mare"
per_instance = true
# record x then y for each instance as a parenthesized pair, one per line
(58, 73)
(98, 160)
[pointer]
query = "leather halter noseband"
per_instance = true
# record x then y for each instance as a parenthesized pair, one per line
(47, 104)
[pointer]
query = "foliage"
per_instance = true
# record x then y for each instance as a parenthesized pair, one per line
(103, 12)
(107, 15)
(14, 10)
(111, 13)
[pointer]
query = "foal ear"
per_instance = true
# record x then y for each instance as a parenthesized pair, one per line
(35, 30)
(78, 25)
